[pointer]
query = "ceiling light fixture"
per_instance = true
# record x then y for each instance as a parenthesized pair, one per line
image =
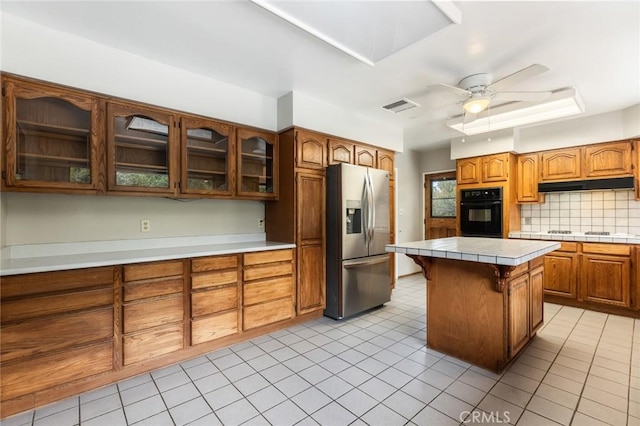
(561, 103)
(477, 104)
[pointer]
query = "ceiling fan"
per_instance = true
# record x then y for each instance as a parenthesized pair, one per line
(480, 91)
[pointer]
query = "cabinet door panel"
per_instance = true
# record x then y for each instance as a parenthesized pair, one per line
(266, 290)
(366, 156)
(35, 374)
(518, 313)
(158, 341)
(311, 152)
(151, 313)
(536, 299)
(341, 152)
(468, 171)
(267, 313)
(527, 179)
(212, 301)
(311, 208)
(560, 272)
(561, 164)
(386, 162)
(605, 279)
(612, 159)
(311, 278)
(257, 164)
(48, 334)
(495, 168)
(214, 327)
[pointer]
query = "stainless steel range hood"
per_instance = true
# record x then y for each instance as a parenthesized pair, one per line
(585, 185)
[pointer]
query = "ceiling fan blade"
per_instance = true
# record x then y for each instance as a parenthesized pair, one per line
(454, 89)
(522, 96)
(517, 77)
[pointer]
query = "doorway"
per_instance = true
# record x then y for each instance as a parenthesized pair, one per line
(440, 205)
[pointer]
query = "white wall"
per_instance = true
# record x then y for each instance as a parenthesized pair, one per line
(483, 144)
(409, 195)
(437, 160)
(48, 218)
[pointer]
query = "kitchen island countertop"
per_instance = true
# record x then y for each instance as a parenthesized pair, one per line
(476, 249)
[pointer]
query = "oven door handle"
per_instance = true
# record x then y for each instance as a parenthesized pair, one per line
(480, 203)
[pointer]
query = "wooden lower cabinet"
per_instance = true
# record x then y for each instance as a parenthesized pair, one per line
(215, 295)
(536, 298)
(56, 328)
(518, 313)
(152, 310)
(561, 271)
(311, 288)
(605, 274)
(268, 288)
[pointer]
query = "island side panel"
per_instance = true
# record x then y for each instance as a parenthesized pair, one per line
(465, 313)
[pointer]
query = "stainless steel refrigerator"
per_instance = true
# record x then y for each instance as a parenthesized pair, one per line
(357, 231)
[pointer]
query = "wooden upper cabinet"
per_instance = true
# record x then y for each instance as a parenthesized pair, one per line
(561, 164)
(610, 160)
(386, 162)
(341, 152)
(468, 171)
(311, 150)
(495, 168)
(208, 157)
(366, 156)
(142, 149)
(257, 164)
(52, 138)
(527, 179)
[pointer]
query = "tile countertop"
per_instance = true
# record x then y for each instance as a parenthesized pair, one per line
(64, 256)
(577, 236)
(475, 249)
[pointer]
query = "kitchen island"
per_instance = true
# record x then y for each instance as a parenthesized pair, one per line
(484, 295)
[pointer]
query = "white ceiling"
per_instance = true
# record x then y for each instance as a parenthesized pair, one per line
(593, 46)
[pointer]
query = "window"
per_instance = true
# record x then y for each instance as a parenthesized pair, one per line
(443, 198)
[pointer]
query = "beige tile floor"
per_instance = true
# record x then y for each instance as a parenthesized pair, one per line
(374, 369)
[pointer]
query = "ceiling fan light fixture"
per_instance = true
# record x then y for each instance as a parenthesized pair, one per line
(476, 104)
(561, 103)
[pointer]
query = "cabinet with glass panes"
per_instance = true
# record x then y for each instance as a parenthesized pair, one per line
(257, 164)
(141, 148)
(52, 138)
(208, 157)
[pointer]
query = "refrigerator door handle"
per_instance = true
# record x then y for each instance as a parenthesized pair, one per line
(372, 225)
(374, 261)
(365, 207)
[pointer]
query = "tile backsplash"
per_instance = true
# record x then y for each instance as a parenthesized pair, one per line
(612, 211)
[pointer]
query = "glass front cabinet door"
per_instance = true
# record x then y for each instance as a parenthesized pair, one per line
(257, 164)
(140, 147)
(208, 157)
(51, 138)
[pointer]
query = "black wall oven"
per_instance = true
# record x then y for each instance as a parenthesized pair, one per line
(481, 212)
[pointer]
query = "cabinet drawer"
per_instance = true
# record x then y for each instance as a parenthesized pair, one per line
(159, 341)
(212, 301)
(608, 249)
(214, 279)
(538, 261)
(24, 377)
(268, 271)
(54, 304)
(152, 313)
(268, 257)
(23, 285)
(145, 289)
(571, 247)
(215, 327)
(214, 263)
(48, 334)
(267, 313)
(263, 291)
(146, 271)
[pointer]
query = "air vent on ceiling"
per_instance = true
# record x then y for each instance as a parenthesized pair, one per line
(401, 105)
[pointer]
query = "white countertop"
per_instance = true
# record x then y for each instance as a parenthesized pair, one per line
(577, 236)
(57, 257)
(475, 249)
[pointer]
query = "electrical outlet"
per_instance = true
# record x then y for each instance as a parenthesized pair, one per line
(261, 223)
(145, 225)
